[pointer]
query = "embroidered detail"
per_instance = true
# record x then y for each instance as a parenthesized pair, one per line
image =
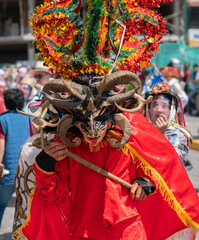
(18, 234)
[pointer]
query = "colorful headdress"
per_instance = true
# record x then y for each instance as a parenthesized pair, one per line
(118, 38)
(156, 83)
(117, 35)
(155, 76)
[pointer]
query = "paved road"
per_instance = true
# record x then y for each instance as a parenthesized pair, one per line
(192, 125)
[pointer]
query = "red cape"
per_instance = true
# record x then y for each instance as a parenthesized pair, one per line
(173, 207)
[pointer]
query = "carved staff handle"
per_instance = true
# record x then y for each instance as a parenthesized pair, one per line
(99, 170)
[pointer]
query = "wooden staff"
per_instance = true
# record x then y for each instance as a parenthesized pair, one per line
(99, 170)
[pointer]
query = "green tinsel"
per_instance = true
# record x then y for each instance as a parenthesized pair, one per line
(92, 33)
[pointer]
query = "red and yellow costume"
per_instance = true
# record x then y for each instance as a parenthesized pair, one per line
(71, 201)
(74, 202)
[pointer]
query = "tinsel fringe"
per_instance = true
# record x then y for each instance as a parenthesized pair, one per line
(148, 170)
(163, 188)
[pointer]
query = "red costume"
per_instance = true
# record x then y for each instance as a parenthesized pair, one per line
(93, 57)
(74, 202)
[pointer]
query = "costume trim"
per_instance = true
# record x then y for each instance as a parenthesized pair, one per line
(180, 234)
(40, 169)
(163, 188)
(18, 234)
(162, 98)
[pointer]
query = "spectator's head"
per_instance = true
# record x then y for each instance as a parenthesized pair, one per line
(2, 79)
(186, 66)
(41, 74)
(174, 62)
(160, 104)
(195, 67)
(164, 102)
(14, 99)
(27, 86)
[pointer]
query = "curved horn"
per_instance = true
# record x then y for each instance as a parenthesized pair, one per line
(123, 123)
(120, 77)
(38, 112)
(90, 106)
(52, 110)
(59, 85)
(73, 91)
(101, 88)
(48, 124)
(63, 103)
(64, 124)
(141, 103)
(118, 98)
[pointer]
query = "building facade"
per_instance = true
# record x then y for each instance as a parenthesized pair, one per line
(15, 35)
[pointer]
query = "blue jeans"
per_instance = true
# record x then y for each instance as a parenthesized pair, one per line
(191, 96)
(6, 192)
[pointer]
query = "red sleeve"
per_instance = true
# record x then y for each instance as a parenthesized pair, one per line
(53, 186)
(2, 136)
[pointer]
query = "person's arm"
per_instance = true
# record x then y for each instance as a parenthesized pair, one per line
(1, 170)
(35, 125)
(2, 149)
(2, 144)
(179, 142)
(196, 80)
(52, 182)
(141, 188)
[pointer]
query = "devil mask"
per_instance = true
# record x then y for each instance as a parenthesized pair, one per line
(90, 105)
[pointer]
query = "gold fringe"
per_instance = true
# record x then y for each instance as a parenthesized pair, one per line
(148, 170)
(18, 234)
(163, 188)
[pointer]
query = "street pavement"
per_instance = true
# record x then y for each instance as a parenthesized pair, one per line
(192, 125)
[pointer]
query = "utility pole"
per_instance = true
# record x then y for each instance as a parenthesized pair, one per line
(186, 21)
(31, 47)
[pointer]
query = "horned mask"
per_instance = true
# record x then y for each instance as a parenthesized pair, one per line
(94, 108)
(93, 56)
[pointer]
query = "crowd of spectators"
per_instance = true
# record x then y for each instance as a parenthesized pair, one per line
(19, 87)
(29, 79)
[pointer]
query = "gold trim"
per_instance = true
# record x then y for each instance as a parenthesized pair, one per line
(163, 188)
(18, 234)
(40, 169)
